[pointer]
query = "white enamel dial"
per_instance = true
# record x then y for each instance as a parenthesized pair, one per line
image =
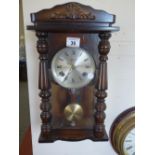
(73, 67)
(129, 143)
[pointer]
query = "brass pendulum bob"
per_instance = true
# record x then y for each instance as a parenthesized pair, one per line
(73, 111)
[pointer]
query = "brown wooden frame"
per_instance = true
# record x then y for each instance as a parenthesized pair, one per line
(73, 18)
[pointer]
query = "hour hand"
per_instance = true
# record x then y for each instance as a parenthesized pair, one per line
(70, 70)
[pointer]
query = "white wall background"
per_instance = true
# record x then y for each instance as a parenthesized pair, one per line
(120, 73)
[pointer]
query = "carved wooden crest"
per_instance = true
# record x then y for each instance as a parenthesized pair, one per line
(71, 11)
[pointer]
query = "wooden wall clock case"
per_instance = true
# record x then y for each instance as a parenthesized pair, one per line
(52, 27)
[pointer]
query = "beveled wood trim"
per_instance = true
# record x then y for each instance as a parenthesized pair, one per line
(78, 27)
(72, 135)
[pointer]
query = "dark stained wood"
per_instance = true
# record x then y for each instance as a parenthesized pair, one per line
(74, 12)
(72, 135)
(78, 18)
(104, 48)
(26, 145)
(73, 27)
(53, 26)
(44, 84)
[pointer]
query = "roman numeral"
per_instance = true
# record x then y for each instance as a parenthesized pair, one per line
(65, 78)
(86, 59)
(61, 73)
(84, 74)
(66, 54)
(80, 54)
(61, 59)
(73, 52)
(128, 141)
(59, 66)
(87, 66)
(128, 148)
(80, 78)
(73, 81)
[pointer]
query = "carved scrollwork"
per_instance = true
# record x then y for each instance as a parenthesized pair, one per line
(72, 11)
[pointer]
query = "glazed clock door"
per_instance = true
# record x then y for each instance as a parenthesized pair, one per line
(73, 72)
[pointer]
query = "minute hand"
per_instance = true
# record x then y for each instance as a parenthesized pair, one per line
(70, 70)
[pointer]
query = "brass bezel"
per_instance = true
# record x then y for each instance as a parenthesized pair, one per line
(120, 128)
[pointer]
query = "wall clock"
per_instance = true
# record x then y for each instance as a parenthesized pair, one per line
(73, 44)
(122, 133)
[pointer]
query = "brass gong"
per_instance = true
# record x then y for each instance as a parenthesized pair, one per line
(73, 112)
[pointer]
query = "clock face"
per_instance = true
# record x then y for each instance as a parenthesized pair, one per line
(129, 143)
(73, 67)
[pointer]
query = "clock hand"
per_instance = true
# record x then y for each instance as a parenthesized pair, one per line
(70, 70)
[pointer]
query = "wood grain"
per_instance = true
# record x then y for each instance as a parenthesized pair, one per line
(53, 26)
(26, 145)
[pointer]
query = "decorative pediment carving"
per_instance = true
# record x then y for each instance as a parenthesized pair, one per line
(71, 11)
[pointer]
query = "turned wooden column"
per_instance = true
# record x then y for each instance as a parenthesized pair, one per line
(101, 87)
(44, 84)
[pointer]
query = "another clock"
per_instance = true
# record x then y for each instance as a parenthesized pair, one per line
(122, 133)
(73, 44)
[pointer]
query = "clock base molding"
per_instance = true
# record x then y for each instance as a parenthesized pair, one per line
(71, 135)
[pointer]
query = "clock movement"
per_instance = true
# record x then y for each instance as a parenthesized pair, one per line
(122, 133)
(73, 44)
